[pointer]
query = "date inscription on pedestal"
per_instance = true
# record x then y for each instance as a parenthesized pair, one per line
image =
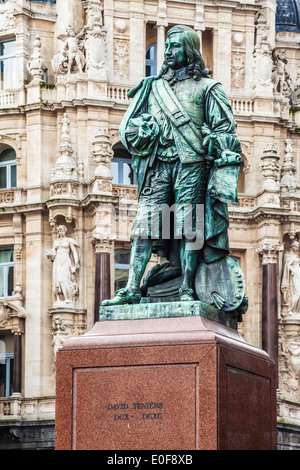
(135, 407)
(155, 412)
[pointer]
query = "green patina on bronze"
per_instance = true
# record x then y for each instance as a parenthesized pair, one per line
(168, 310)
(180, 130)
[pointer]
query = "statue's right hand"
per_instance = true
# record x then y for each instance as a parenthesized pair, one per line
(142, 132)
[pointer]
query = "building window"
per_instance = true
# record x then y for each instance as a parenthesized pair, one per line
(6, 272)
(151, 60)
(8, 173)
(121, 268)
(6, 364)
(8, 64)
(121, 170)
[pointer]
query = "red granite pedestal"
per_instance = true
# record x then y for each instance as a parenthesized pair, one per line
(164, 384)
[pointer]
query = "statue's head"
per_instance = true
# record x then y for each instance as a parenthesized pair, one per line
(61, 230)
(295, 245)
(71, 31)
(182, 48)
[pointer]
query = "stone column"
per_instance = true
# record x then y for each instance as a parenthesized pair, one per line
(269, 254)
(17, 368)
(14, 315)
(103, 244)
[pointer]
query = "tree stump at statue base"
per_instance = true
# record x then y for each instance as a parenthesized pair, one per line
(185, 383)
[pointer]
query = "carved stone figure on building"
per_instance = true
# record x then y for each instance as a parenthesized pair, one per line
(295, 100)
(65, 257)
(280, 77)
(238, 70)
(290, 283)
(71, 58)
(7, 15)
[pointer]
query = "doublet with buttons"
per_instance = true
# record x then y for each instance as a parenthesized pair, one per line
(191, 94)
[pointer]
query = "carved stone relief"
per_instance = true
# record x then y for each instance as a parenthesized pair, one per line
(289, 360)
(263, 63)
(102, 153)
(66, 323)
(238, 70)
(96, 49)
(62, 329)
(270, 168)
(288, 182)
(7, 18)
(12, 317)
(121, 58)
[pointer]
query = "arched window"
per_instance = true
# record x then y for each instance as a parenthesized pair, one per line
(151, 60)
(8, 177)
(121, 268)
(121, 170)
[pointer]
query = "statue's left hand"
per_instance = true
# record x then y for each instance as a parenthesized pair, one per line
(228, 157)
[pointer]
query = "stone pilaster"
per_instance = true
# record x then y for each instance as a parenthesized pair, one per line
(161, 35)
(199, 21)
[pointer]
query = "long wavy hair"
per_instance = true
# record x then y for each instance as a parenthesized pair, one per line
(195, 63)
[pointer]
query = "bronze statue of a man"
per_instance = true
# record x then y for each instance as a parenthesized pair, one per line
(181, 133)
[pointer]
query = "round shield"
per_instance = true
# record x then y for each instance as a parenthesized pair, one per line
(220, 283)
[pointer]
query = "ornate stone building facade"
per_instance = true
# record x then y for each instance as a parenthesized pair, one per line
(67, 192)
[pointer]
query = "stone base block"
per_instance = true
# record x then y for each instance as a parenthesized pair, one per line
(186, 383)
